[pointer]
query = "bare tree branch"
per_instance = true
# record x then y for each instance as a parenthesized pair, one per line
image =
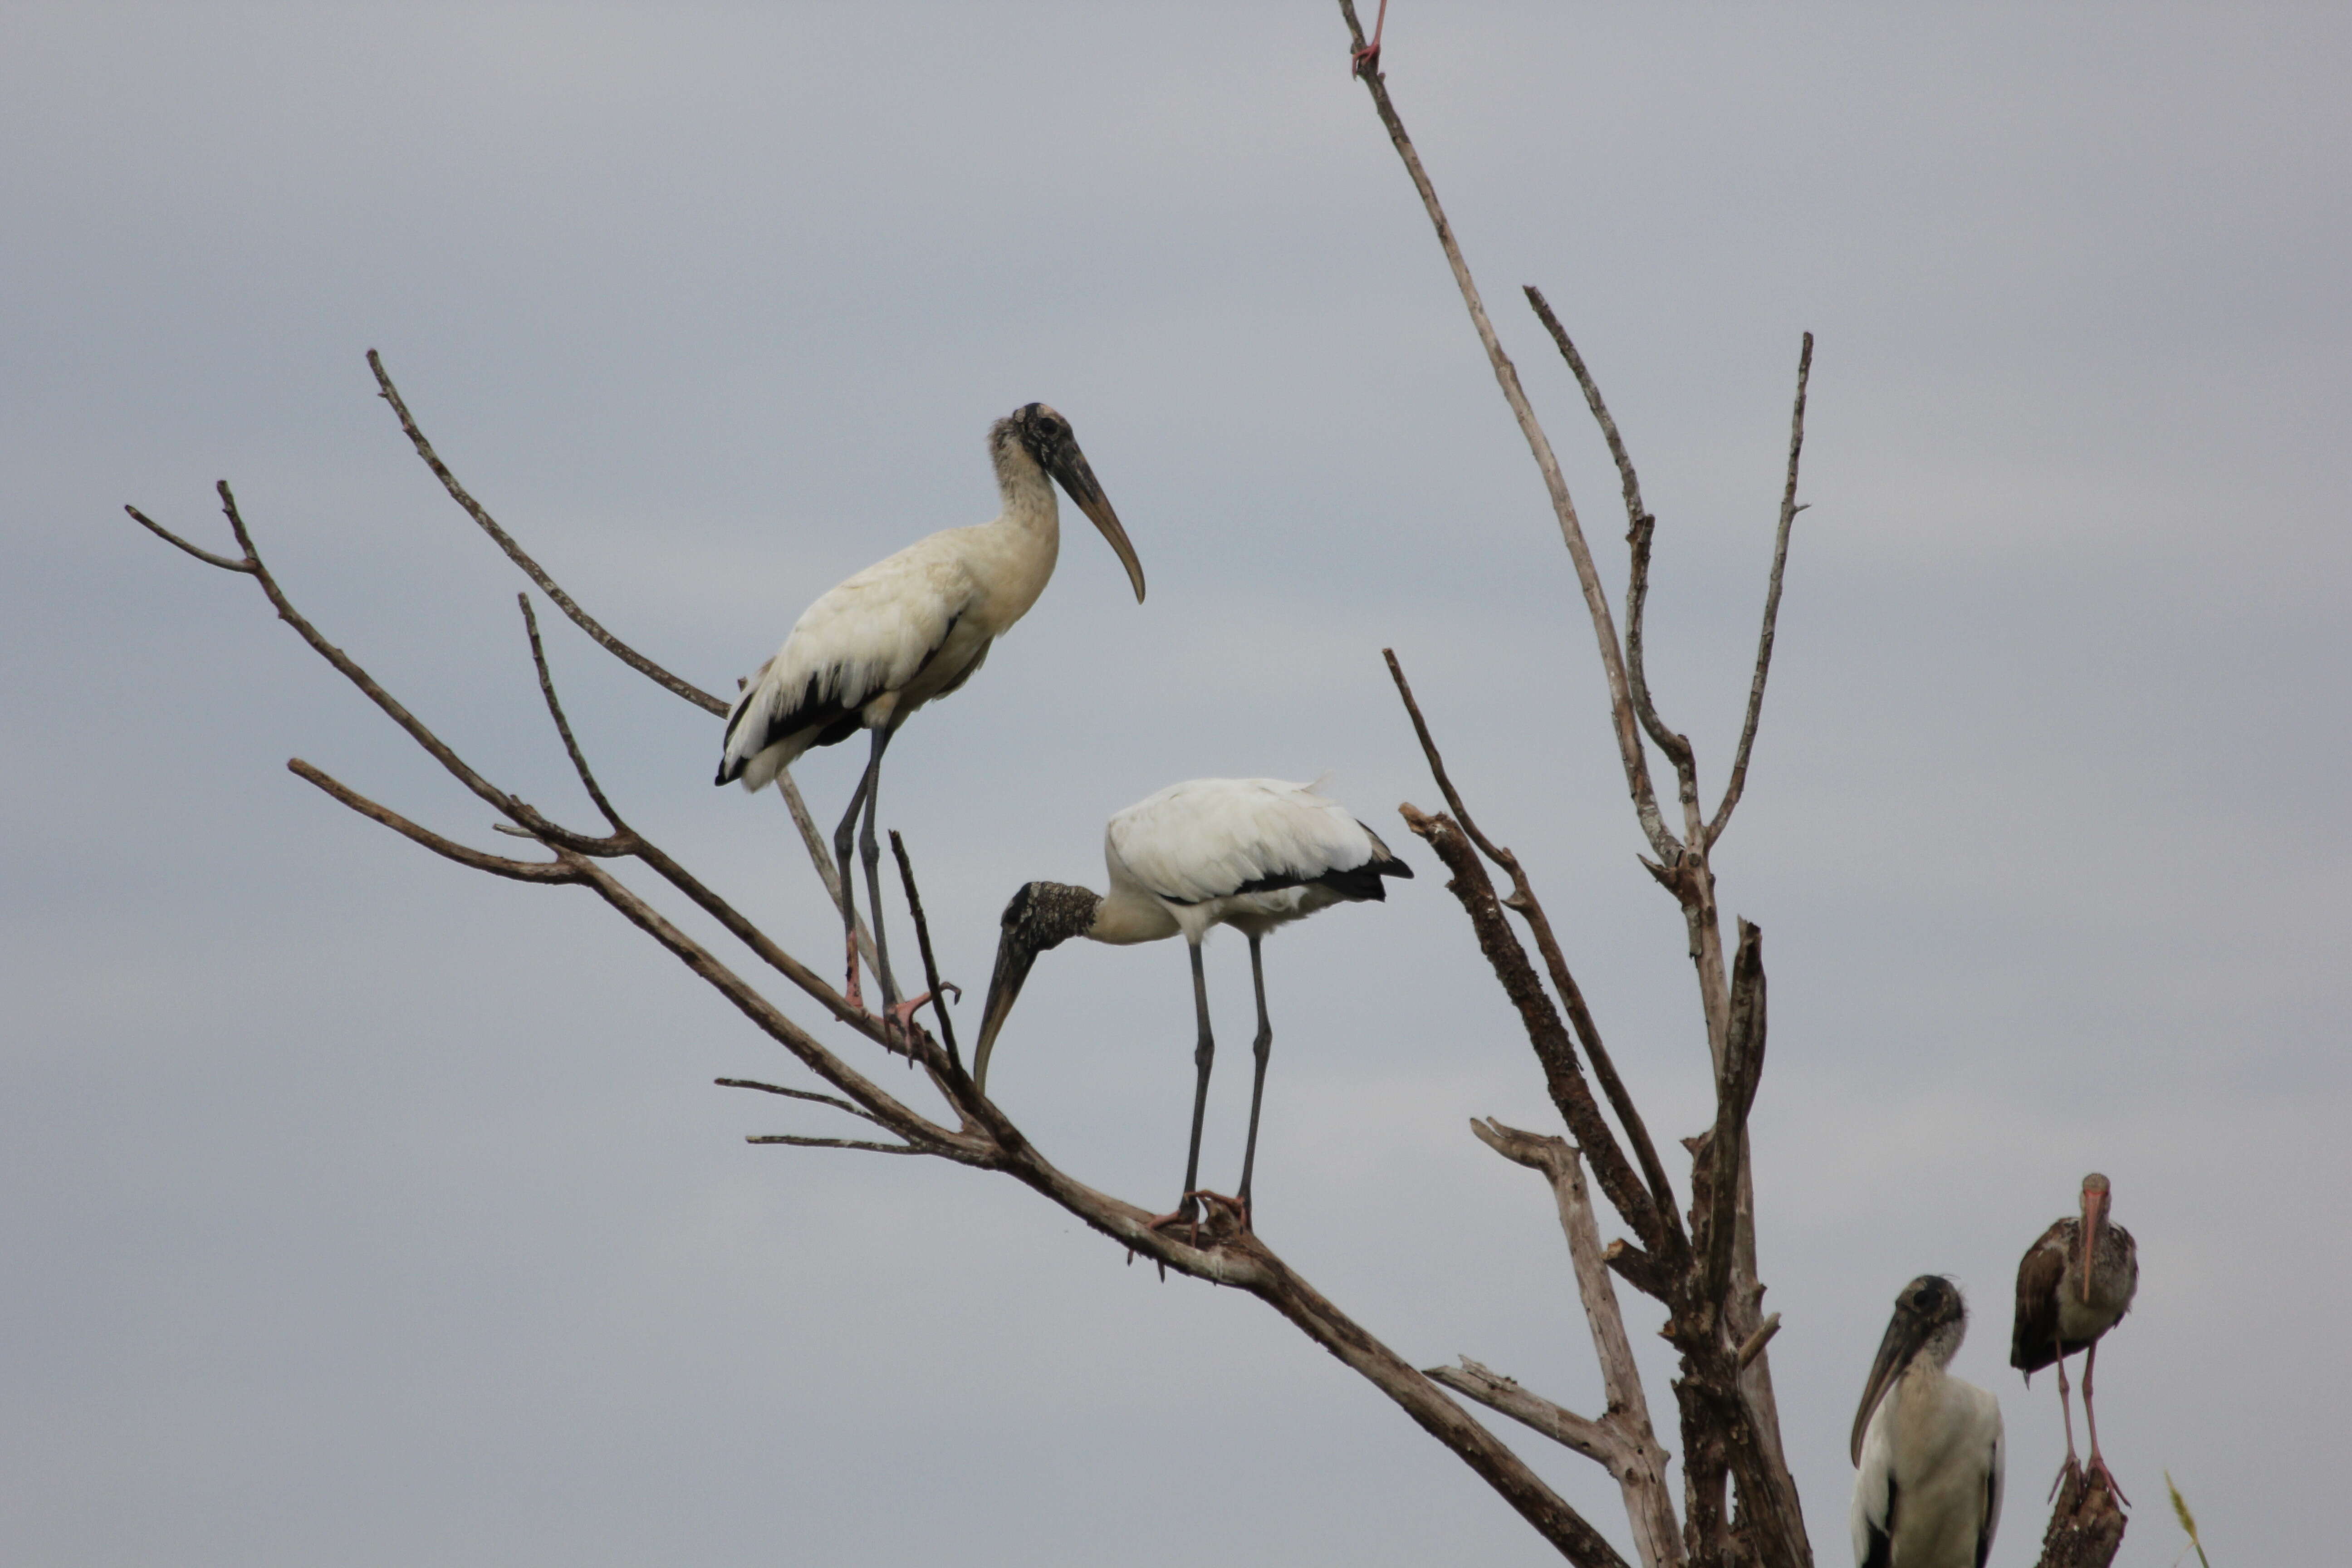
(1522, 898)
(810, 1095)
(563, 725)
(1634, 1455)
(1639, 525)
(447, 848)
(1507, 375)
(1726, 1150)
(1788, 511)
(1557, 1421)
(1565, 1079)
(800, 1142)
(248, 564)
(819, 856)
(515, 552)
(923, 941)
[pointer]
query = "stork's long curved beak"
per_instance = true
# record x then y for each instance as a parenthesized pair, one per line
(1905, 1334)
(1013, 958)
(2095, 1202)
(1068, 465)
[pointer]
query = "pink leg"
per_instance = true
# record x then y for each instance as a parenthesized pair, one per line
(1368, 58)
(2098, 1465)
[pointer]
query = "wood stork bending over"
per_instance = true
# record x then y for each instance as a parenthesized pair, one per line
(1927, 1445)
(1252, 854)
(2073, 1286)
(912, 627)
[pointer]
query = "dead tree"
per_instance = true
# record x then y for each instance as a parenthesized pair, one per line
(1738, 1503)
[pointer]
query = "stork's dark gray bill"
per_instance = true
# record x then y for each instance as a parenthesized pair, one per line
(1905, 1333)
(1068, 465)
(1013, 959)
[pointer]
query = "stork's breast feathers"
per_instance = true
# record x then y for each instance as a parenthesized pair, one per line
(1213, 839)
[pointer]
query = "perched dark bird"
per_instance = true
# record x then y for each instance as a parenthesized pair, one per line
(1927, 1446)
(1252, 854)
(909, 628)
(2073, 1286)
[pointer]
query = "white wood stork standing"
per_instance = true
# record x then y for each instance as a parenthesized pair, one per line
(1928, 1446)
(2073, 1285)
(1252, 854)
(909, 628)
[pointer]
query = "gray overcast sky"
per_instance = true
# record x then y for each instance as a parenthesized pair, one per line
(358, 1211)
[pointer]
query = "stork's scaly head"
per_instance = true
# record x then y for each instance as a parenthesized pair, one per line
(1045, 436)
(1929, 1320)
(1042, 916)
(2094, 1215)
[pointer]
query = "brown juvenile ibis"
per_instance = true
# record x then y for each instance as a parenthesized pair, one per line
(2073, 1286)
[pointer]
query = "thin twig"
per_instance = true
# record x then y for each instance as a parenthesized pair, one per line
(563, 725)
(1788, 511)
(1507, 375)
(800, 1142)
(810, 1095)
(248, 564)
(923, 941)
(1757, 1340)
(447, 848)
(515, 552)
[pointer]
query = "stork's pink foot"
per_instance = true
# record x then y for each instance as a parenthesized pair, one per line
(1366, 60)
(898, 1021)
(2099, 1467)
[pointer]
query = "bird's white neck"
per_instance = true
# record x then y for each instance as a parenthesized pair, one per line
(1029, 502)
(1129, 916)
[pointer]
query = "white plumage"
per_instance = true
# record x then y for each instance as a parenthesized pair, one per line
(914, 626)
(1928, 1446)
(1192, 849)
(1252, 854)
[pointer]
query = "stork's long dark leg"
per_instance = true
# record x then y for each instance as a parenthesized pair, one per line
(869, 851)
(1264, 1048)
(1202, 1054)
(840, 841)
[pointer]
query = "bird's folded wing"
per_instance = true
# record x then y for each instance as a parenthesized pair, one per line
(1210, 839)
(867, 636)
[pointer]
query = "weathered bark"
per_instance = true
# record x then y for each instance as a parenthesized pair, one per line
(2086, 1526)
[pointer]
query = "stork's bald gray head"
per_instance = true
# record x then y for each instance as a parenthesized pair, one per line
(1041, 917)
(1036, 432)
(1930, 1321)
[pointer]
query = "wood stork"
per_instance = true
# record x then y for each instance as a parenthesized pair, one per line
(1253, 854)
(1928, 1446)
(2073, 1286)
(909, 628)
